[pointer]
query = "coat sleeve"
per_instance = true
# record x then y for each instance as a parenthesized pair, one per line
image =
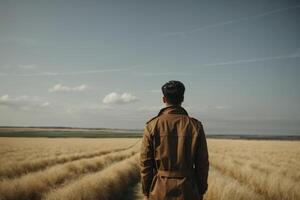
(201, 162)
(146, 161)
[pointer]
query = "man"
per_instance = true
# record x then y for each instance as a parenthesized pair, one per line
(174, 157)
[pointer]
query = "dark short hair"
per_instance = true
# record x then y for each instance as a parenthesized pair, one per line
(173, 91)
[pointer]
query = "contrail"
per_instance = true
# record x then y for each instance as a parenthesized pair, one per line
(233, 62)
(164, 74)
(66, 73)
(295, 55)
(184, 33)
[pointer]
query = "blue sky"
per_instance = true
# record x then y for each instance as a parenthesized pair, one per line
(102, 63)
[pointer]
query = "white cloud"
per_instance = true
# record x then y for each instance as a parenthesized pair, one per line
(27, 66)
(62, 88)
(4, 98)
(80, 88)
(115, 98)
(45, 104)
(23, 102)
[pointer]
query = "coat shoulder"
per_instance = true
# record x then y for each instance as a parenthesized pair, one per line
(197, 123)
(196, 120)
(150, 125)
(151, 120)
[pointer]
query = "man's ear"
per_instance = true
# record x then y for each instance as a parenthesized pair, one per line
(164, 99)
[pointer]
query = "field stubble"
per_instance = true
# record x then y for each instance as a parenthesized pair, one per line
(108, 169)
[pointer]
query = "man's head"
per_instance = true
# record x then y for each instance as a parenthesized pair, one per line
(173, 92)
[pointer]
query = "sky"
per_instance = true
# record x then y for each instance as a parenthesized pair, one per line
(102, 63)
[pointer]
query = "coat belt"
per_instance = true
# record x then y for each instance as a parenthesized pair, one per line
(174, 173)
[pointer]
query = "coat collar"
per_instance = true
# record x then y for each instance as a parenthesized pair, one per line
(173, 109)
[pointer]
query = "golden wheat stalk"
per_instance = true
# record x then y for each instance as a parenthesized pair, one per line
(111, 183)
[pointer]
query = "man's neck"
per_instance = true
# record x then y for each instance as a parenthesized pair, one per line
(167, 105)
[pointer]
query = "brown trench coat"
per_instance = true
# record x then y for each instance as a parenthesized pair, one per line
(174, 158)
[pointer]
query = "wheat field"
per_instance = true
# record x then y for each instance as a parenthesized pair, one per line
(82, 169)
